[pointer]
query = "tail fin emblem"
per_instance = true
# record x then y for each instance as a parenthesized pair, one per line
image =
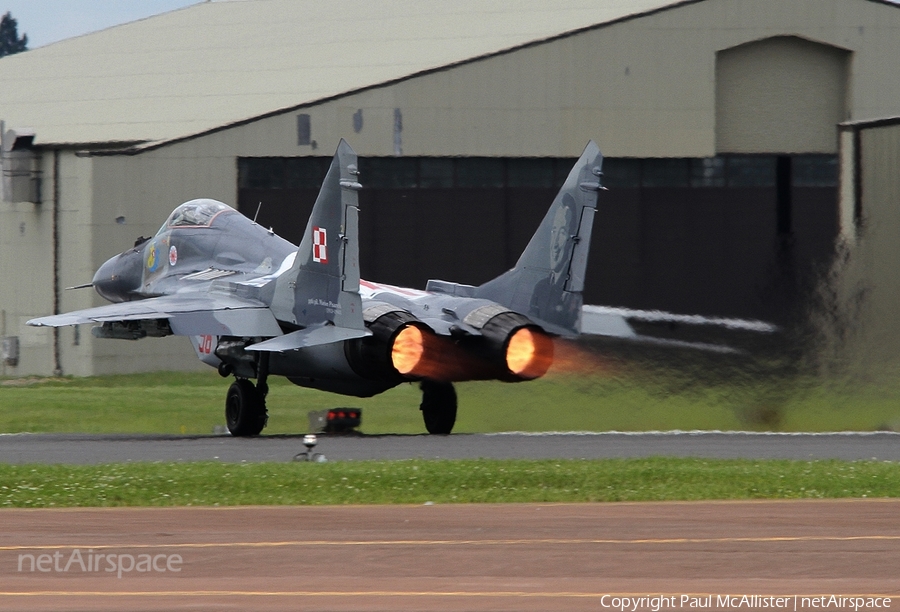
(320, 246)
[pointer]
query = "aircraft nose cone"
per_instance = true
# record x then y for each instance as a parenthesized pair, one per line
(120, 276)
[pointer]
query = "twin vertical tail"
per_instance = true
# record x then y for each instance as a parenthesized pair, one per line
(547, 281)
(322, 286)
(320, 292)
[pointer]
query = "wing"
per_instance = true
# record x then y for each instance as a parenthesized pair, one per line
(614, 323)
(219, 315)
(658, 316)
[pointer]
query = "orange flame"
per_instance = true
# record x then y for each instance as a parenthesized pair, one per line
(408, 348)
(420, 353)
(433, 357)
(529, 353)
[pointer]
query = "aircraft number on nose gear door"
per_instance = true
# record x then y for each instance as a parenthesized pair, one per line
(205, 344)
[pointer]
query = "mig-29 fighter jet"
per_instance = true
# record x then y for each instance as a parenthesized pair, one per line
(255, 305)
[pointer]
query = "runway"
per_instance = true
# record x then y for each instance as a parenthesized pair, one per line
(521, 557)
(455, 557)
(88, 449)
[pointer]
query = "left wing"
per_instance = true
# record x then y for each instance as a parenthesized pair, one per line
(219, 315)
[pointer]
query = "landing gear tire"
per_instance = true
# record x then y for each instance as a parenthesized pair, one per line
(245, 409)
(438, 406)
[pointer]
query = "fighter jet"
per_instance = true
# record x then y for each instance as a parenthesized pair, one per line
(254, 305)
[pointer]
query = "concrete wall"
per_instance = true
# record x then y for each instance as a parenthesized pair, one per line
(864, 334)
(26, 266)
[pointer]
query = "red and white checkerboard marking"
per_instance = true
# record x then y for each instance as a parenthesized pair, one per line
(320, 245)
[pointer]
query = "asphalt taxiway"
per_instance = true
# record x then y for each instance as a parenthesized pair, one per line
(87, 449)
(455, 557)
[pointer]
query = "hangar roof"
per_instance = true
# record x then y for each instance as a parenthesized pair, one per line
(218, 63)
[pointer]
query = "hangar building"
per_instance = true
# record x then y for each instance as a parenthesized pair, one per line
(860, 327)
(718, 119)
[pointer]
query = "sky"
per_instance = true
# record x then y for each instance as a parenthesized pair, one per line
(48, 21)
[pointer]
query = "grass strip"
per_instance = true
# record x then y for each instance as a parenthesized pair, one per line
(631, 400)
(420, 481)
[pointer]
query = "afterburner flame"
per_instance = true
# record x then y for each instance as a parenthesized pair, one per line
(408, 348)
(529, 353)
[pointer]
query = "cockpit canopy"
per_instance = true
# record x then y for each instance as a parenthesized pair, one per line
(195, 213)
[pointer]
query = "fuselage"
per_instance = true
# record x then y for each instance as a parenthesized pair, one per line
(206, 246)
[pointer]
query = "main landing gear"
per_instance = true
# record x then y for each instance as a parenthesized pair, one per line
(438, 406)
(245, 404)
(245, 409)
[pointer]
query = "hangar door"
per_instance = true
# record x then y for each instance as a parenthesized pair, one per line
(780, 95)
(459, 219)
(687, 235)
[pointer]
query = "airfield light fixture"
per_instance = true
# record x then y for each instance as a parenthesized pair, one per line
(309, 441)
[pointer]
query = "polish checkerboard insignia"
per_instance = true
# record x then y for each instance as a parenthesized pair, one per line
(320, 246)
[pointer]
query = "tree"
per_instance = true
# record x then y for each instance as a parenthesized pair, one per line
(9, 36)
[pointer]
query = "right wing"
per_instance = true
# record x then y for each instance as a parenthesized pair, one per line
(219, 315)
(614, 323)
(659, 316)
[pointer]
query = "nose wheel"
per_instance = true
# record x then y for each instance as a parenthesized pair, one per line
(438, 406)
(245, 408)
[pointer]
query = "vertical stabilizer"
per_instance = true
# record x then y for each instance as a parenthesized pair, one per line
(547, 281)
(322, 286)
